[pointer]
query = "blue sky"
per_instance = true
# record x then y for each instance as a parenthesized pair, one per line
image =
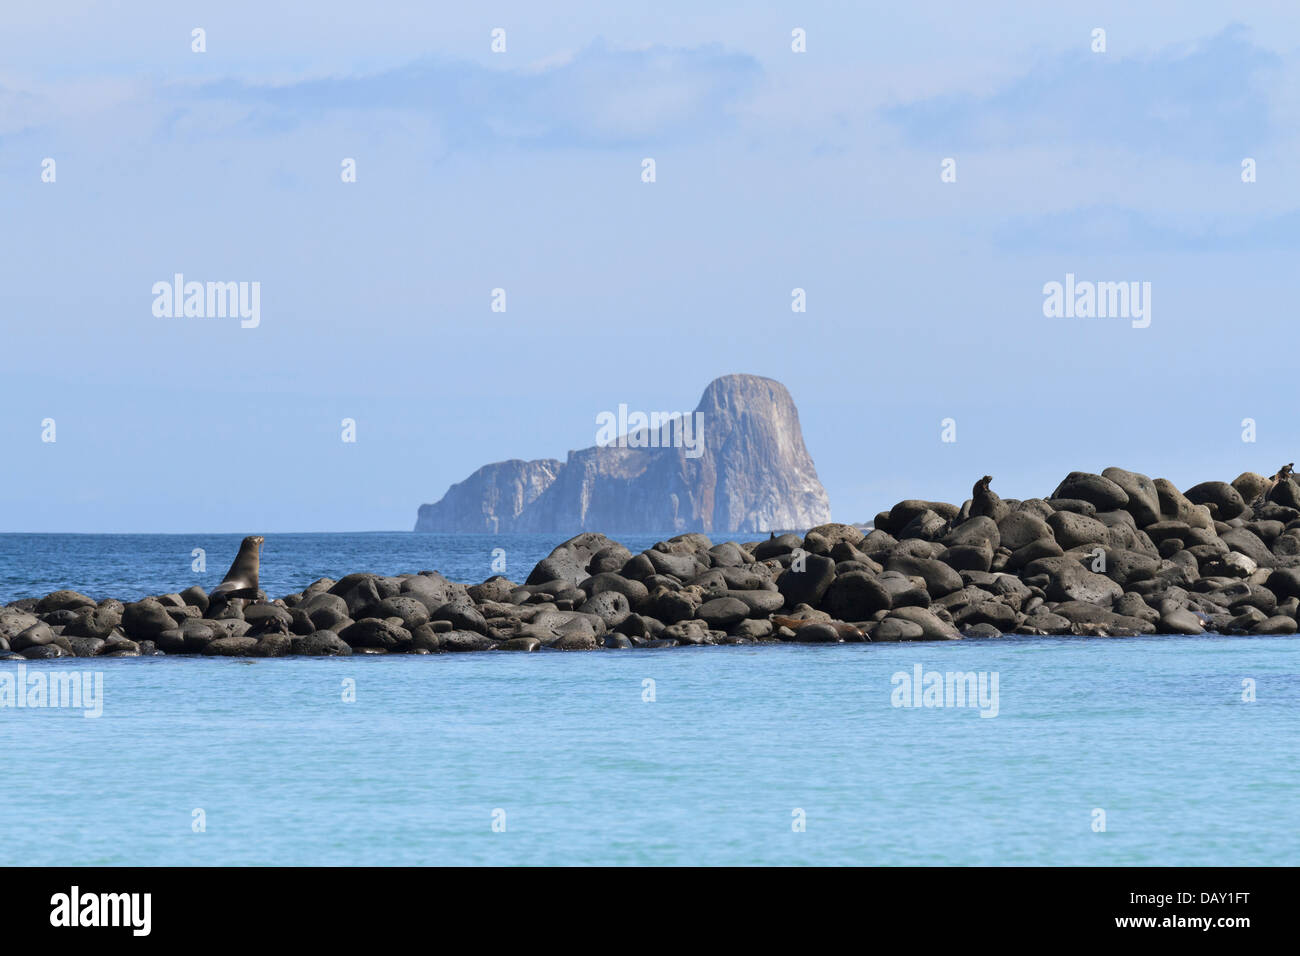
(521, 170)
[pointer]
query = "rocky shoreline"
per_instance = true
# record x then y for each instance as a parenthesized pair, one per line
(1109, 555)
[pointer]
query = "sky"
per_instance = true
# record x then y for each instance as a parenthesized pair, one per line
(522, 170)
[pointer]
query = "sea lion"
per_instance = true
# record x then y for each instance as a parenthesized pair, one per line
(241, 580)
(986, 502)
(847, 632)
(1285, 489)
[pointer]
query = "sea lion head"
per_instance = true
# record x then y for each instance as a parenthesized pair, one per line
(241, 580)
(248, 560)
(983, 484)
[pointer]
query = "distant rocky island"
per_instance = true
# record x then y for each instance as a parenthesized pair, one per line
(736, 464)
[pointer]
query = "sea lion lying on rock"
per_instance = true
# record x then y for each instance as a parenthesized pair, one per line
(841, 630)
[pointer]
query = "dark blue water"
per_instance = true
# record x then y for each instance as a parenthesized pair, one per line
(130, 566)
(737, 744)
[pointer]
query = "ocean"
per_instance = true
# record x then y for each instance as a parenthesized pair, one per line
(1150, 750)
(130, 566)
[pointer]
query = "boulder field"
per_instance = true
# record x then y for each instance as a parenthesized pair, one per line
(1110, 555)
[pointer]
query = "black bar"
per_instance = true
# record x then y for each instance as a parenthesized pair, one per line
(328, 906)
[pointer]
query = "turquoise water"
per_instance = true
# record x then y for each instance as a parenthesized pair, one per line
(1153, 731)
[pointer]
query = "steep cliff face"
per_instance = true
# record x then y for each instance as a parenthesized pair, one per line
(750, 471)
(491, 498)
(765, 478)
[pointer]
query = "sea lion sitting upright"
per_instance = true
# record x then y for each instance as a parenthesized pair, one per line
(986, 502)
(1285, 490)
(241, 580)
